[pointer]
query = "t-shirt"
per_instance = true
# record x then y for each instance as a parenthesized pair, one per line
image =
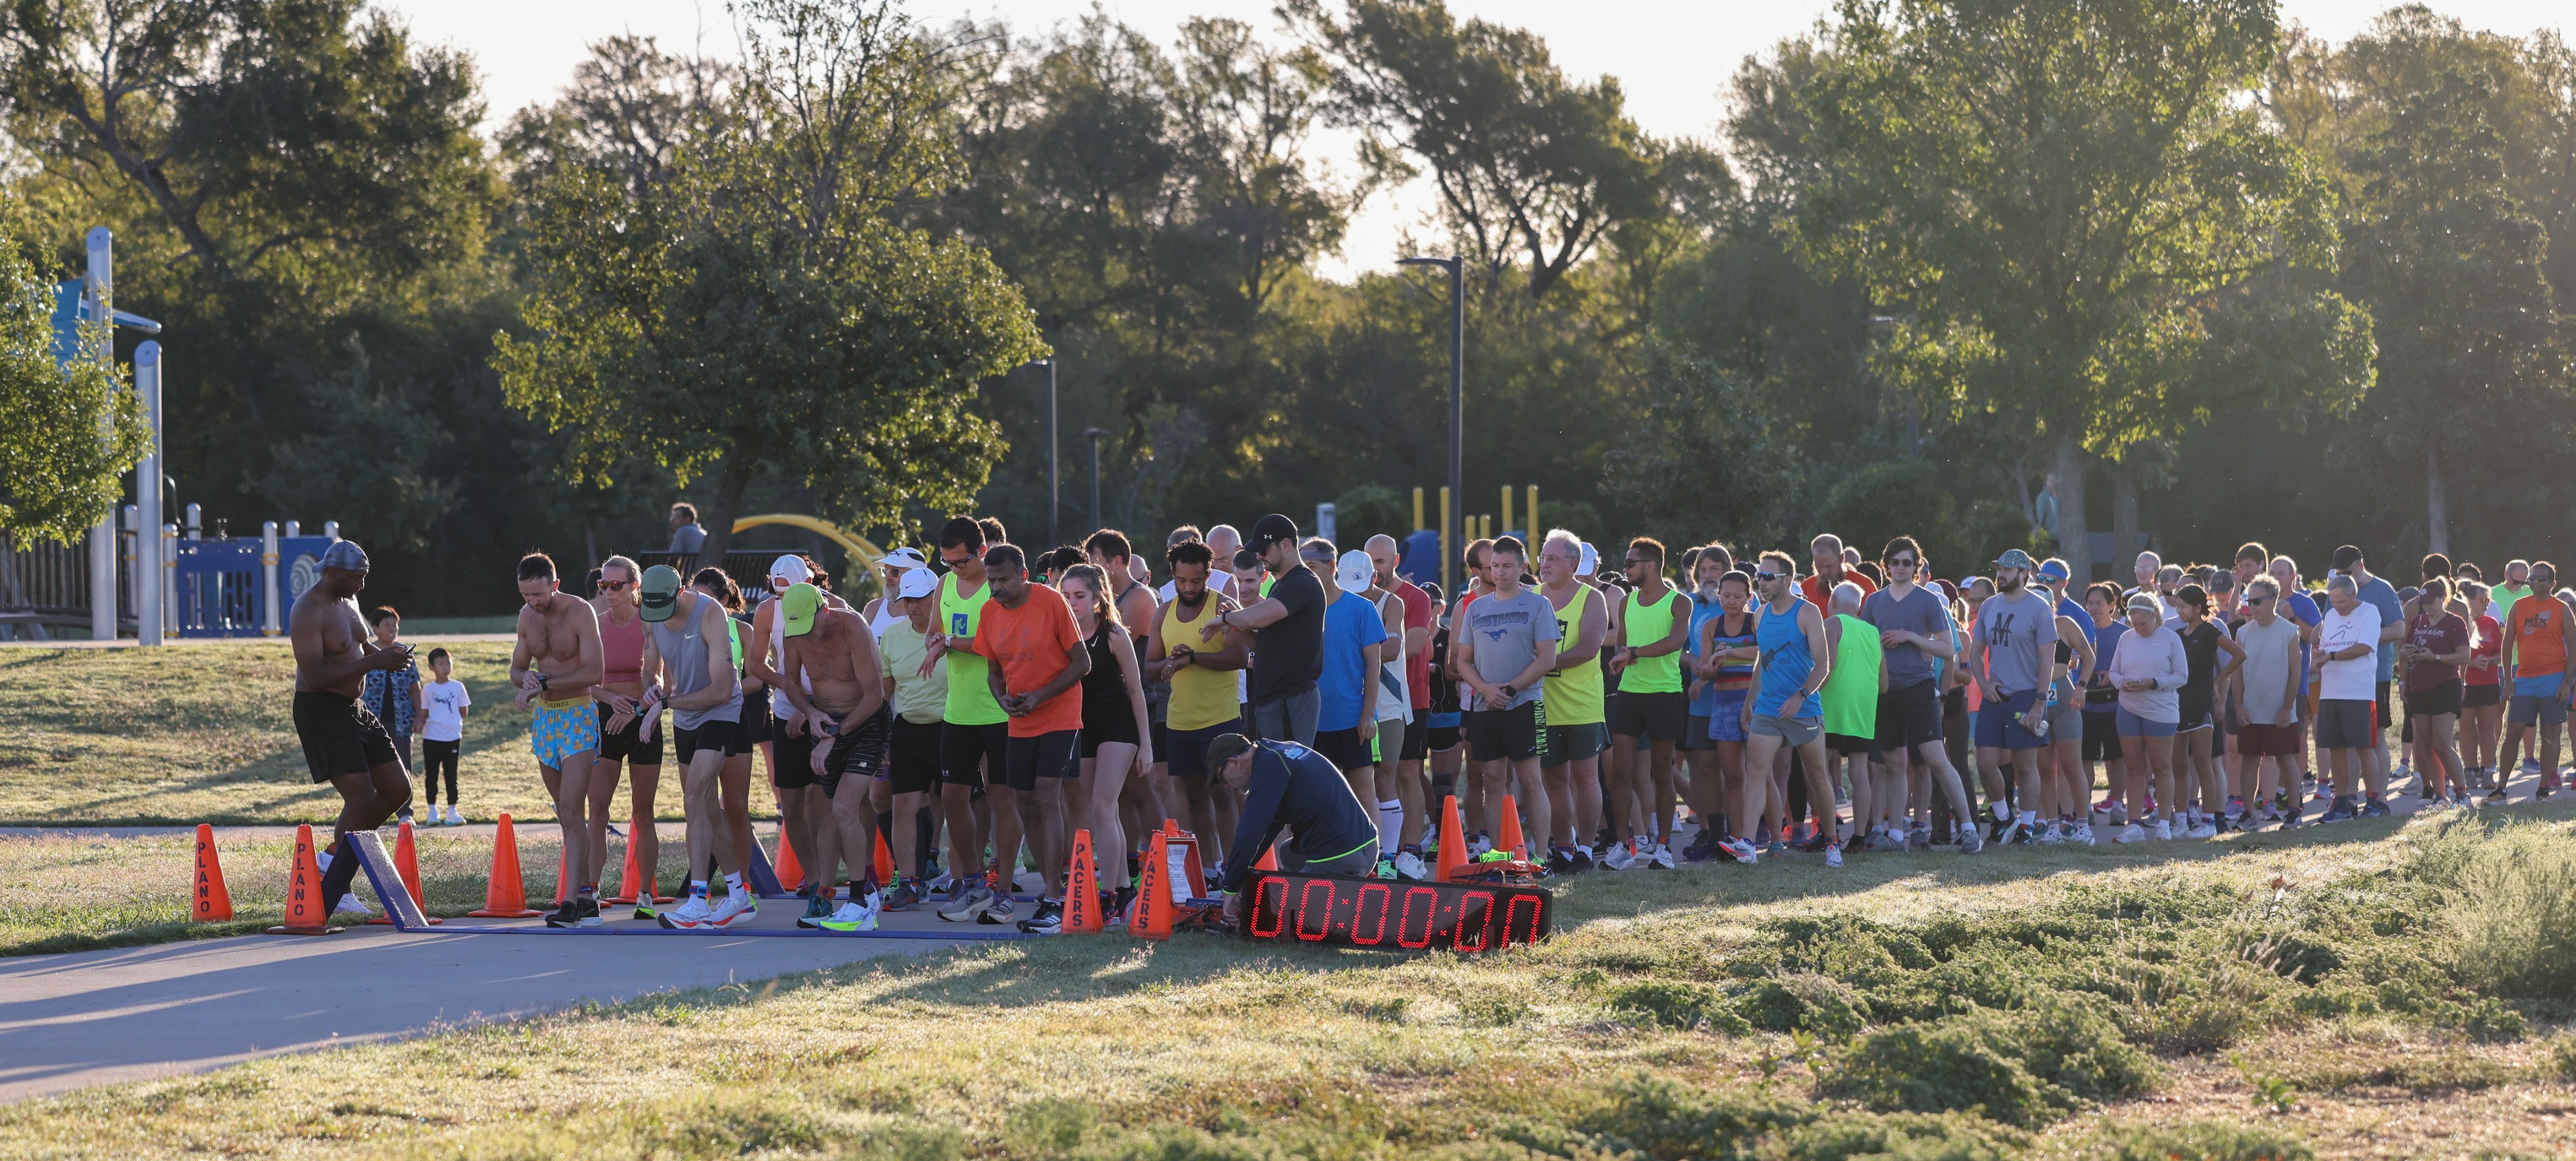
(2538, 625)
(1921, 612)
(2306, 611)
(447, 702)
(2490, 644)
(2447, 633)
(1288, 654)
(2503, 598)
(1351, 624)
(2378, 594)
(1820, 593)
(2074, 612)
(1420, 612)
(970, 699)
(2349, 680)
(2271, 659)
(1507, 631)
(919, 700)
(2101, 694)
(1032, 644)
(2016, 631)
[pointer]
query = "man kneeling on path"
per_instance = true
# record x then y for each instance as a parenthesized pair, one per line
(1288, 786)
(847, 706)
(344, 744)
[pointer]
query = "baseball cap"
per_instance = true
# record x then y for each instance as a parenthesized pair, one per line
(2054, 570)
(661, 593)
(1225, 748)
(1271, 529)
(1355, 571)
(2016, 558)
(916, 583)
(345, 554)
(1588, 563)
(799, 604)
(906, 557)
(792, 567)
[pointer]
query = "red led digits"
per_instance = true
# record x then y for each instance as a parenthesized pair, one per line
(1269, 897)
(1430, 917)
(1375, 935)
(1323, 915)
(1524, 909)
(1476, 909)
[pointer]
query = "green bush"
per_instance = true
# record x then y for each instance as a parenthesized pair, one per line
(1371, 510)
(1804, 1002)
(2189, 1141)
(2509, 906)
(1666, 1121)
(2024, 1067)
(1659, 1120)
(1679, 1005)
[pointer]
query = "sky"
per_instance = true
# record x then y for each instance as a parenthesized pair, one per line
(1672, 57)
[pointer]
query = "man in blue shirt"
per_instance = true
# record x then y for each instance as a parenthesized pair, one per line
(2053, 573)
(1345, 730)
(2380, 595)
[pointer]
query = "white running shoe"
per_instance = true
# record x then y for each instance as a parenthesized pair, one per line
(2082, 835)
(2164, 830)
(1742, 851)
(351, 903)
(2132, 833)
(691, 913)
(1662, 859)
(2201, 830)
(2051, 837)
(971, 907)
(1409, 866)
(851, 917)
(1618, 858)
(1833, 854)
(734, 907)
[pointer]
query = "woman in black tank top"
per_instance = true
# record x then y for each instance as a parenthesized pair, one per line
(1113, 727)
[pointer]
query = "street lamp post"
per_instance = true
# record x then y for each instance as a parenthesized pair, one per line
(1457, 268)
(1095, 435)
(1054, 502)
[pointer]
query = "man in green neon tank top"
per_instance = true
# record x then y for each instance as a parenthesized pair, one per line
(1652, 707)
(974, 733)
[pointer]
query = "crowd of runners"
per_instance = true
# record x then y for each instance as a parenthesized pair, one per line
(993, 701)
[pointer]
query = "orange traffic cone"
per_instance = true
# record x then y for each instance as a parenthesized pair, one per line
(1512, 840)
(1453, 839)
(563, 877)
(213, 902)
(406, 864)
(1153, 894)
(1269, 860)
(1189, 844)
(791, 872)
(307, 912)
(507, 895)
(1081, 889)
(885, 860)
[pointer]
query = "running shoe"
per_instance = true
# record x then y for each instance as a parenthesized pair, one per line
(2164, 830)
(2342, 811)
(1048, 920)
(1971, 840)
(2050, 837)
(1617, 857)
(905, 896)
(351, 903)
(1778, 849)
(1496, 855)
(1582, 858)
(1386, 869)
(2460, 799)
(2497, 794)
(2201, 830)
(2548, 786)
(2531, 765)
(849, 919)
(691, 913)
(1408, 865)
(735, 906)
(2082, 835)
(817, 909)
(454, 817)
(1662, 859)
(1918, 839)
(2021, 834)
(565, 914)
(1741, 850)
(2106, 806)
(644, 910)
(2377, 807)
(2132, 833)
(1701, 849)
(1477, 847)
(1833, 854)
(969, 907)
(996, 913)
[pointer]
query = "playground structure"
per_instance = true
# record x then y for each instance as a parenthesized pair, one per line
(749, 567)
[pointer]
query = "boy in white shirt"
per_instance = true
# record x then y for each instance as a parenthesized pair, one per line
(446, 700)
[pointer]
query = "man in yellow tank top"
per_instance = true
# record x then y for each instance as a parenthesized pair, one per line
(1201, 659)
(1576, 732)
(1653, 708)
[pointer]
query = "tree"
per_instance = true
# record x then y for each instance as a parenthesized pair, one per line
(762, 310)
(1704, 425)
(2070, 187)
(68, 430)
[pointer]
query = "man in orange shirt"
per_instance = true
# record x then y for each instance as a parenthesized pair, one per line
(1038, 658)
(1826, 552)
(2539, 635)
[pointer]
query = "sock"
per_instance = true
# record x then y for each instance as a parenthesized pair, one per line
(733, 883)
(1390, 823)
(336, 883)
(2030, 818)
(2003, 813)
(697, 888)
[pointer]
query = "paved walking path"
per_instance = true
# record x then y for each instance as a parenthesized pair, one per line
(99, 1017)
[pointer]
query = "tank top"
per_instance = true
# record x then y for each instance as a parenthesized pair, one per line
(970, 700)
(779, 706)
(884, 619)
(1851, 689)
(1732, 676)
(1702, 612)
(1201, 697)
(1394, 696)
(621, 650)
(683, 645)
(1573, 696)
(1786, 661)
(1647, 625)
(2200, 661)
(2490, 643)
(1104, 687)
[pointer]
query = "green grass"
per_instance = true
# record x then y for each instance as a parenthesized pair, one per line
(2055, 1003)
(180, 736)
(426, 626)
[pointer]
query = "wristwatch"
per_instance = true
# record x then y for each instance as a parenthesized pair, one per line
(1510, 692)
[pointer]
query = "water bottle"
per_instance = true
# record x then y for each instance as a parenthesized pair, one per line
(2040, 728)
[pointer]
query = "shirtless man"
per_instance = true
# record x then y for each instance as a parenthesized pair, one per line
(344, 744)
(556, 663)
(833, 648)
(688, 671)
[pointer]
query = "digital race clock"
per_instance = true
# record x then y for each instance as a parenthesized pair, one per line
(1393, 913)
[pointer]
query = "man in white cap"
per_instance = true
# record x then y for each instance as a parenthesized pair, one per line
(344, 745)
(920, 696)
(890, 569)
(1354, 632)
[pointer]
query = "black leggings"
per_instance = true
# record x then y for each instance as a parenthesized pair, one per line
(436, 756)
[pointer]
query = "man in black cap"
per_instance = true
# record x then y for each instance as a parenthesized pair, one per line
(1289, 786)
(344, 745)
(1287, 637)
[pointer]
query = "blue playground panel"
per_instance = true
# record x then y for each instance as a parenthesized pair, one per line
(216, 584)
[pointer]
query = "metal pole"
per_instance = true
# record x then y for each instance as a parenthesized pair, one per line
(1055, 500)
(102, 537)
(1094, 434)
(268, 580)
(148, 555)
(1458, 377)
(1448, 554)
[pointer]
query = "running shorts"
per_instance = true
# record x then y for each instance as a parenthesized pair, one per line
(1794, 731)
(1188, 756)
(712, 736)
(859, 750)
(968, 754)
(339, 735)
(1909, 716)
(1347, 750)
(912, 758)
(2345, 724)
(1047, 755)
(791, 757)
(1508, 734)
(563, 729)
(2434, 702)
(1726, 721)
(623, 745)
(1573, 743)
(1659, 717)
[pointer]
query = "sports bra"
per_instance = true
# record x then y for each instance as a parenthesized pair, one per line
(621, 650)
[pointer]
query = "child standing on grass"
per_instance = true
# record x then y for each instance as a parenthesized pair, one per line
(393, 695)
(443, 726)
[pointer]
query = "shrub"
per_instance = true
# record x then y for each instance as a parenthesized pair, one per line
(2509, 905)
(1892, 1137)
(2190, 1141)
(1665, 1121)
(1802, 1003)
(1677, 1005)
(2022, 1067)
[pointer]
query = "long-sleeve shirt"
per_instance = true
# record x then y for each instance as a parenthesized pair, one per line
(1296, 788)
(2155, 656)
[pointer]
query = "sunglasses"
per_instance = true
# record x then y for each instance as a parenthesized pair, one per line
(1768, 577)
(610, 586)
(1637, 560)
(1901, 562)
(2255, 602)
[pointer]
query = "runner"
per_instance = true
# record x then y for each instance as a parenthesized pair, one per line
(1794, 663)
(2009, 658)
(1698, 748)
(2266, 701)
(1653, 708)
(618, 702)
(1421, 620)
(1570, 762)
(1470, 791)
(1288, 787)
(2196, 702)
(2346, 717)
(802, 805)
(2307, 611)
(1038, 659)
(891, 567)
(2379, 595)
(1850, 698)
(1826, 552)
(2149, 669)
(1919, 639)
(2066, 782)
(1727, 650)
(912, 757)
(974, 736)
(2437, 644)
(1346, 681)
(2481, 703)
(1390, 711)
(559, 642)
(1502, 653)
(1202, 661)
(733, 779)
(344, 745)
(688, 671)
(1115, 730)
(2538, 638)
(2102, 705)
(1287, 625)
(833, 649)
